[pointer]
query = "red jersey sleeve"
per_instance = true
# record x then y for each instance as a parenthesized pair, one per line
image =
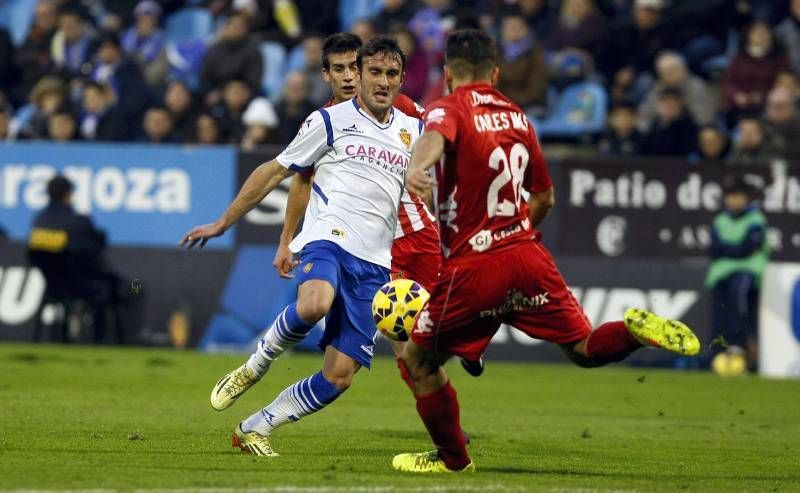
(537, 178)
(408, 106)
(443, 117)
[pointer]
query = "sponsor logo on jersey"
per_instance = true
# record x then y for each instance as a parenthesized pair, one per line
(424, 323)
(481, 241)
(352, 129)
(516, 301)
(435, 116)
(405, 138)
(479, 99)
(307, 267)
(339, 233)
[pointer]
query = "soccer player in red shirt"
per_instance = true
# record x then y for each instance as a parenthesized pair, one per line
(416, 252)
(495, 270)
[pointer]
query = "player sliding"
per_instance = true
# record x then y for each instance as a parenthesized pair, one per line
(346, 241)
(416, 252)
(495, 269)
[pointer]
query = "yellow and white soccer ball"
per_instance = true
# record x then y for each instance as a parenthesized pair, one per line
(730, 363)
(396, 306)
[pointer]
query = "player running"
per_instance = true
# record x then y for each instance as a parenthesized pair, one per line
(495, 268)
(344, 245)
(416, 251)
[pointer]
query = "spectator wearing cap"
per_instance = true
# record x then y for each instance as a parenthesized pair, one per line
(124, 77)
(712, 145)
(788, 31)
(294, 105)
(71, 45)
(33, 57)
(752, 72)
(783, 122)
(674, 74)
(523, 70)
(752, 145)
(260, 121)
(631, 47)
(674, 132)
(234, 55)
(621, 138)
(145, 42)
(179, 101)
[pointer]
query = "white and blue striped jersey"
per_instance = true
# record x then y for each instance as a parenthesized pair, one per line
(359, 168)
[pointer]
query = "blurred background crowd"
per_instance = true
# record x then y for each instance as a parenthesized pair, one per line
(711, 80)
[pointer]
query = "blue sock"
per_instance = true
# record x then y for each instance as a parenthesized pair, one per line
(287, 330)
(300, 399)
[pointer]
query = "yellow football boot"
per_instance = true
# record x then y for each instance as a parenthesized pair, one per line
(252, 443)
(652, 330)
(231, 386)
(425, 462)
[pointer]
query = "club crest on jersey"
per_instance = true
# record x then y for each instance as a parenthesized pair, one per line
(337, 233)
(307, 267)
(405, 138)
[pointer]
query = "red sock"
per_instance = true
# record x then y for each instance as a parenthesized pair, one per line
(404, 374)
(439, 412)
(611, 342)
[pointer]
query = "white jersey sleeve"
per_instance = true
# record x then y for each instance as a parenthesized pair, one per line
(314, 138)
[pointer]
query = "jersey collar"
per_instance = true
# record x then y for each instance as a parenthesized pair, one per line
(382, 126)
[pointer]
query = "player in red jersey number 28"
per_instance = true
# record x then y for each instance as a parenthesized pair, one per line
(495, 270)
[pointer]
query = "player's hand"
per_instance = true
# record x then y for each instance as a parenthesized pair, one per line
(202, 234)
(418, 182)
(284, 262)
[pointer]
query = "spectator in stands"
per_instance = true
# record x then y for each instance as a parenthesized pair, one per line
(523, 71)
(673, 73)
(99, 118)
(33, 57)
(178, 100)
(207, 130)
(146, 43)
(739, 253)
(674, 132)
(417, 69)
(71, 45)
(394, 13)
(752, 145)
(8, 72)
(580, 27)
(158, 126)
(5, 120)
(712, 145)
(788, 80)
(235, 98)
(261, 122)
(47, 96)
(633, 44)
(61, 127)
(233, 56)
(621, 138)
(294, 105)
(124, 77)
(319, 91)
(783, 122)
(752, 72)
(365, 29)
(539, 15)
(788, 32)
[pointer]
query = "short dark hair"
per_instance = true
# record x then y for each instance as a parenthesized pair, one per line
(471, 52)
(58, 187)
(381, 44)
(339, 43)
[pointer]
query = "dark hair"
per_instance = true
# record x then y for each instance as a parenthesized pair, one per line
(471, 52)
(158, 107)
(338, 43)
(58, 187)
(736, 184)
(381, 44)
(109, 38)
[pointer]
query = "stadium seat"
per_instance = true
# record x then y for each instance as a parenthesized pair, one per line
(580, 110)
(252, 298)
(20, 120)
(296, 59)
(189, 23)
(274, 55)
(352, 10)
(16, 17)
(185, 60)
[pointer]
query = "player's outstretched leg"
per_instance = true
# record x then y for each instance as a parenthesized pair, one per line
(286, 331)
(651, 330)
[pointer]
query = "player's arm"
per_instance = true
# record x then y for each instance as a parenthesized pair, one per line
(427, 152)
(261, 182)
(299, 195)
(540, 204)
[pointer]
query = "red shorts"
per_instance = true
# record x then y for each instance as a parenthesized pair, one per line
(418, 257)
(519, 285)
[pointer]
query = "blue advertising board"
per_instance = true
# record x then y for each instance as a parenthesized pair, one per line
(139, 195)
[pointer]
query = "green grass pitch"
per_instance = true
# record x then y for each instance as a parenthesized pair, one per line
(126, 419)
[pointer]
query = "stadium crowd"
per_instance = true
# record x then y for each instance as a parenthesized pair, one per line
(715, 80)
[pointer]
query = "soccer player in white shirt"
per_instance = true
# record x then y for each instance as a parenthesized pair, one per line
(359, 151)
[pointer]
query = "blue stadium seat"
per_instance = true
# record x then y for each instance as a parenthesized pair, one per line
(16, 17)
(352, 10)
(254, 294)
(20, 120)
(297, 59)
(189, 23)
(274, 55)
(185, 60)
(581, 110)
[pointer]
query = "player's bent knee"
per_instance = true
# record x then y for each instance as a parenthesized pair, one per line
(314, 300)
